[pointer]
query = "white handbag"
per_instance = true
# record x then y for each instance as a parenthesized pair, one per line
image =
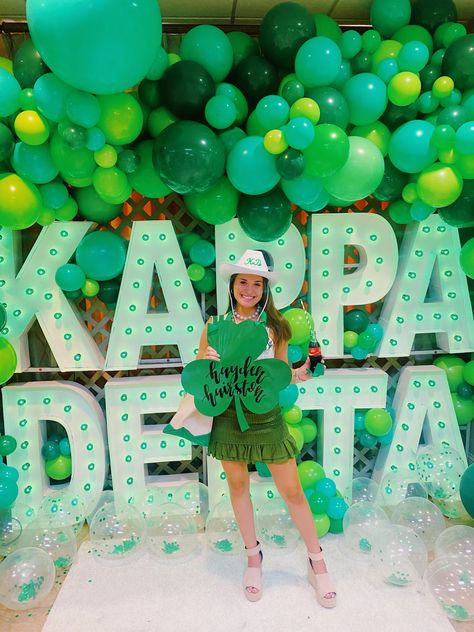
(189, 423)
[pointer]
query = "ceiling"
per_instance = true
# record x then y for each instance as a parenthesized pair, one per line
(244, 12)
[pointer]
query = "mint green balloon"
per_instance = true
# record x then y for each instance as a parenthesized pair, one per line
(210, 47)
(100, 47)
(360, 175)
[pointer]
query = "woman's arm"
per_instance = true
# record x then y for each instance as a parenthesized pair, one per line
(205, 352)
(302, 373)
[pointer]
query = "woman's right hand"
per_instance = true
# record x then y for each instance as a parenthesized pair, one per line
(211, 354)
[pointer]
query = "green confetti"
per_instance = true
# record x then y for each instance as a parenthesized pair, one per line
(223, 545)
(170, 547)
(30, 590)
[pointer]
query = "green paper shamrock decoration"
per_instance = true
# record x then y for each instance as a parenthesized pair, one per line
(238, 376)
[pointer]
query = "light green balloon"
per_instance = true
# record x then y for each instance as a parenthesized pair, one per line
(7, 360)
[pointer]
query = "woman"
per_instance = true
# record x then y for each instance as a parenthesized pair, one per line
(267, 439)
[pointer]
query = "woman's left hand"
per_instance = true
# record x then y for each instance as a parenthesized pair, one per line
(302, 373)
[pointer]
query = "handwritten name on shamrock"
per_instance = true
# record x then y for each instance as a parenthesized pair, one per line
(235, 379)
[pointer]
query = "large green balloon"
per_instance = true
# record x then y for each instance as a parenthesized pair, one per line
(7, 360)
(92, 207)
(265, 217)
(145, 180)
(466, 258)
(210, 47)
(459, 214)
(243, 46)
(453, 367)
(283, 30)
(439, 185)
(431, 13)
(255, 77)
(34, 162)
(464, 409)
(458, 62)
(101, 255)
(189, 157)
(28, 65)
(72, 163)
(217, 205)
(328, 152)
(121, 118)
(186, 87)
(356, 320)
(360, 175)
(20, 202)
(100, 47)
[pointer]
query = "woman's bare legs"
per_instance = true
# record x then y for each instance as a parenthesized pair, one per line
(285, 477)
(239, 489)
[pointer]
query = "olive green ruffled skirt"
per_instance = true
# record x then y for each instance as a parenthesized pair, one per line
(267, 440)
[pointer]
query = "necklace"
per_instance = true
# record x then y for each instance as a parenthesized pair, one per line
(255, 314)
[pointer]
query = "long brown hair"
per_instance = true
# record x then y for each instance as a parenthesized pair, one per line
(275, 321)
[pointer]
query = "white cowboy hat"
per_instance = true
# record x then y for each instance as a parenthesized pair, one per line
(251, 262)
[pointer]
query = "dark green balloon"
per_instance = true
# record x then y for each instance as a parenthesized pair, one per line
(431, 13)
(28, 65)
(255, 77)
(332, 104)
(7, 445)
(428, 76)
(283, 30)
(460, 213)
(207, 283)
(292, 91)
(396, 115)
(149, 93)
(392, 183)
(264, 217)
(362, 62)
(290, 164)
(6, 142)
(243, 46)
(109, 291)
(189, 157)
(92, 207)
(356, 320)
(3, 317)
(185, 88)
(454, 115)
(458, 62)
(128, 161)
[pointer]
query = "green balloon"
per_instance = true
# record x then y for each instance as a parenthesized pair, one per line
(412, 32)
(145, 179)
(265, 217)
(399, 212)
(336, 525)
(466, 258)
(149, 93)
(255, 77)
(7, 445)
(458, 62)
(186, 87)
(387, 16)
(92, 207)
(328, 152)
(356, 320)
(20, 202)
(290, 164)
(332, 104)
(243, 46)
(393, 181)
(215, 206)
(453, 367)
(301, 325)
(101, 255)
(72, 163)
(3, 317)
(59, 468)
(207, 283)
(326, 26)
(209, 46)
(431, 13)
(109, 291)
(350, 339)
(466, 490)
(468, 373)
(189, 157)
(187, 241)
(283, 30)
(360, 175)
(309, 473)
(6, 142)
(459, 213)
(28, 65)
(464, 409)
(378, 422)
(159, 119)
(7, 360)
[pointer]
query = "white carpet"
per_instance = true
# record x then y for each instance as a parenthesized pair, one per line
(205, 594)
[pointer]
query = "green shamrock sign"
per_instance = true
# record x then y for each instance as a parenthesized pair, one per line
(238, 376)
